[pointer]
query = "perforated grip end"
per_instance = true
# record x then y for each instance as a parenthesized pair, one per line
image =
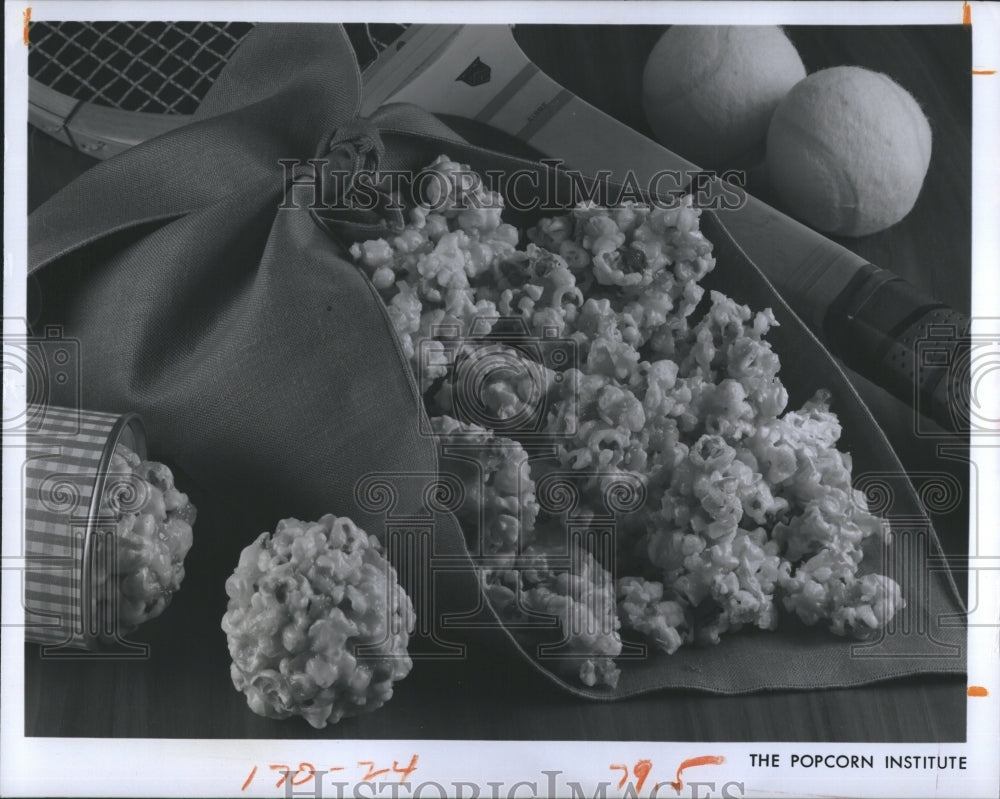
(904, 341)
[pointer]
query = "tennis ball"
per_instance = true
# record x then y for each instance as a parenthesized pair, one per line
(847, 151)
(709, 91)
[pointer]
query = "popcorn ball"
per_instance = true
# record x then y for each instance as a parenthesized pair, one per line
(749, 512)
(317, 624)
(152, 536)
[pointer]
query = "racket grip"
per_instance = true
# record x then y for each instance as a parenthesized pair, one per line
(911, 345)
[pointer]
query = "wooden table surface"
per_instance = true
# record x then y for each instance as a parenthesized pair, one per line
(184, 689)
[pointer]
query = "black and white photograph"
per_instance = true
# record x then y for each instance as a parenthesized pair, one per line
(501, 400)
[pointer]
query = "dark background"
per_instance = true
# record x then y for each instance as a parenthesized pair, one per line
(184, 690)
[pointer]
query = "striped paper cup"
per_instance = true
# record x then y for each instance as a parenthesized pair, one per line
(69, 524)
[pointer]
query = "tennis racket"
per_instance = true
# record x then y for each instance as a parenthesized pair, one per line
(103, 87)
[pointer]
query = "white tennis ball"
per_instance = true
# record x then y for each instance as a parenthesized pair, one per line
(709, 91)
(847, 151)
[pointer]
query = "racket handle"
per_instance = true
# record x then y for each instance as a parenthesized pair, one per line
(908, 343)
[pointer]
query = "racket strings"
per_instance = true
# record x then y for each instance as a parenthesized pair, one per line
(153, 67)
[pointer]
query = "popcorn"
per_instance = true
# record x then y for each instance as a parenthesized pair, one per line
(151, 541)
(872, 601)
(578, 592)
(499, 505)
(642, 608)
(749, 513)
(316, 624)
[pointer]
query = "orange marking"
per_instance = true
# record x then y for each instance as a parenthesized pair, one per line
(641, 770)
(249, 779)
(371, 773)
(984, 72)
(977, 690)
(27, 22)
(284, 773)
(404, 773)
(306, 769)
(704, 760)
(966, 14)
(624, 768)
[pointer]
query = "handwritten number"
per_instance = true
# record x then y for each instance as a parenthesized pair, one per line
(372, 773)
(624, 768)
(404, 773)
(308, 770)
(704, 760)
(641, 770)
(249, 779)
(284, 773)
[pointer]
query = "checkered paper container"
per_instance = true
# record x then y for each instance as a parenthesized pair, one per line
(69, 525)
